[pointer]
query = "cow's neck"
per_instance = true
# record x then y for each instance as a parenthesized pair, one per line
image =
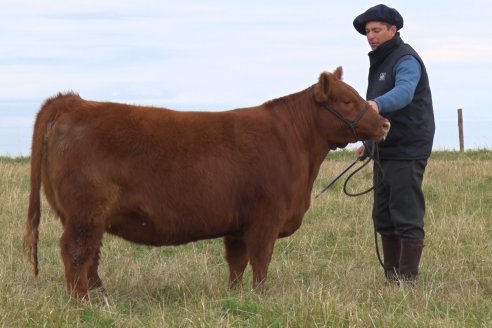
(296, 115)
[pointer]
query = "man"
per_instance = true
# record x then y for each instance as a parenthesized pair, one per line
(399, 90)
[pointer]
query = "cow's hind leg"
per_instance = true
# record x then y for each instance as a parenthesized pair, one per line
(94, 281)
(80, 245)
(237, 258)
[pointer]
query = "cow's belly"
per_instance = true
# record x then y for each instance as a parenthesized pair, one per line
(140, 229)
(136, 229)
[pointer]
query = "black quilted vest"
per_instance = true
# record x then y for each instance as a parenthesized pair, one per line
(412, 127)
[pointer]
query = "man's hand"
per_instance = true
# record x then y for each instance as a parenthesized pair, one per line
(374, 105)
(361, 153)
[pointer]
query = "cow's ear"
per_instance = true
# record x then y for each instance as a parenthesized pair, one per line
(338, 72)
(321, 88)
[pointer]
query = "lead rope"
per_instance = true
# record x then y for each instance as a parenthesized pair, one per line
(373, 155)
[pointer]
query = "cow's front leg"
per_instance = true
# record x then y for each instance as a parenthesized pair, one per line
(260, 249)
(237, 257)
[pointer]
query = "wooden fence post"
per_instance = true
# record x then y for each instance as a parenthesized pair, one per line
(460, 127)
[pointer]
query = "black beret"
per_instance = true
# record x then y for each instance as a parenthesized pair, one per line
(380, 13)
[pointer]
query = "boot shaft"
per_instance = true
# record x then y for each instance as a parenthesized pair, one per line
(391, 256)
(410, 254)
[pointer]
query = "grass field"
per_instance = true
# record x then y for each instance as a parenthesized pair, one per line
(325, 275)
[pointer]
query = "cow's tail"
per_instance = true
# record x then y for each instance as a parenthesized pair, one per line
(43, 123)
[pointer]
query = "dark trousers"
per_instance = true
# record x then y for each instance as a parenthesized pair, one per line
(399, 204)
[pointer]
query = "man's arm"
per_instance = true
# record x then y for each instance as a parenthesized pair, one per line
(407, 76)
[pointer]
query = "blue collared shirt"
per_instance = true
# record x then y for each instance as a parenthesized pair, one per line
(407, 76)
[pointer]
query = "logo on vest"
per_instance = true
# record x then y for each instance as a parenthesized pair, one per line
(382, 76)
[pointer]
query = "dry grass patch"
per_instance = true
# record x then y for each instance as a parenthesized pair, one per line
(325, 275)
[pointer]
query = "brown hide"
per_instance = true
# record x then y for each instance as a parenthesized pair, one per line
(161, 177)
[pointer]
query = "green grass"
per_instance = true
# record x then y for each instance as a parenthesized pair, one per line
(325, 275)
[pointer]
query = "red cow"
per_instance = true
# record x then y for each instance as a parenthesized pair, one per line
(159, 177)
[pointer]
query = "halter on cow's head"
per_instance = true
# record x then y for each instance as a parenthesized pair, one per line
(355, 120)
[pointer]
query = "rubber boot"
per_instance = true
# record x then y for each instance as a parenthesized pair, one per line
(391, 253)
(411, 251)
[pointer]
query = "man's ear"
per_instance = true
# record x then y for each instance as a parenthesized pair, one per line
(393, 29)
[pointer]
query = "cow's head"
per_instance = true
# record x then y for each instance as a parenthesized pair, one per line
(343, 114)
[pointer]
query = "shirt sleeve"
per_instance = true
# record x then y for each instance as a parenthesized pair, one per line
(407, 76)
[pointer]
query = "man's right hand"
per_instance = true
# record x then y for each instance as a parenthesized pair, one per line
(361, 153)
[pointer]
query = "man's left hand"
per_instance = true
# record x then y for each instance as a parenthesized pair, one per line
(374, 105)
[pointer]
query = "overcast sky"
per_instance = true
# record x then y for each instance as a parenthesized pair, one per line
(219, 55)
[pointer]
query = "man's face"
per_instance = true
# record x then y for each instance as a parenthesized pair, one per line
(378, 33)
